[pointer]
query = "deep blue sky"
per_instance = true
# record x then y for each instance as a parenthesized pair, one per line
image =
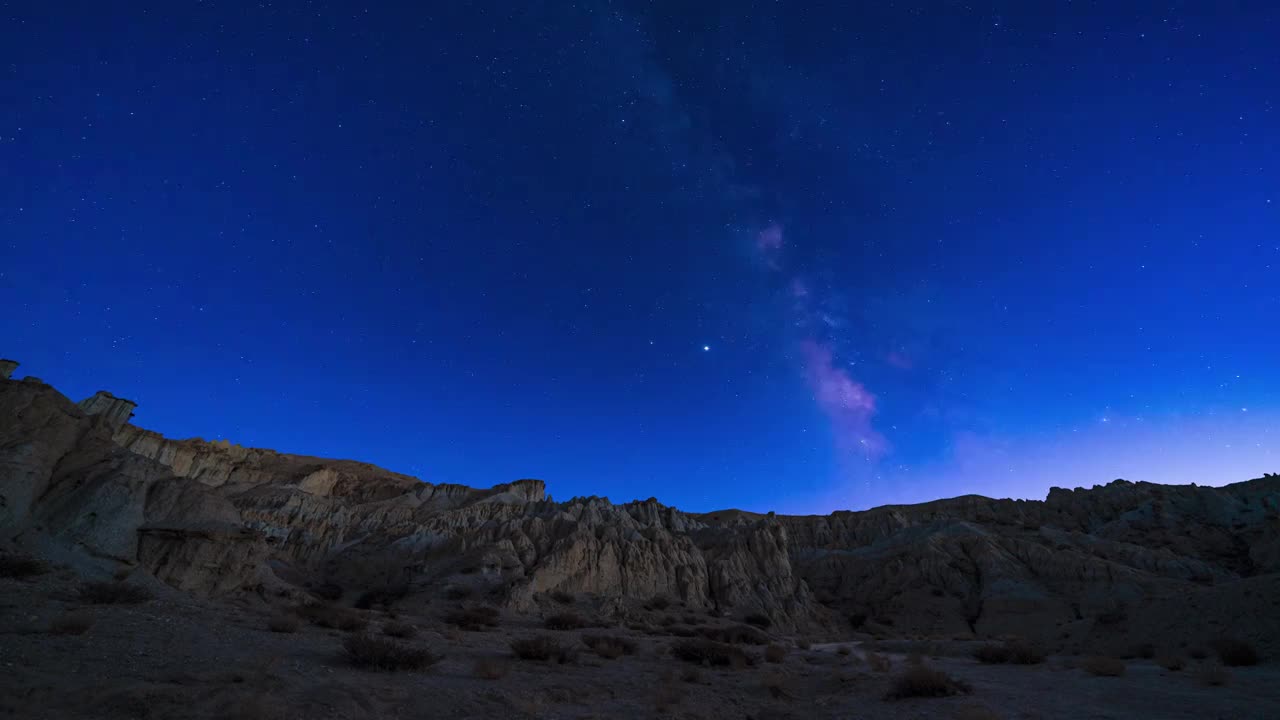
(931, 249)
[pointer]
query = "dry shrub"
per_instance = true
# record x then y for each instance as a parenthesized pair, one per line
(379, 653)
(759, 620)
(473, 619)
(975, 712)
(15, 565)
(328, 591)
(562, 597)
(1235, 653)
(1198, 653)
(544, 647)
(775, 653)
(1103, 666)
(668, 693)
(1171, 662)
(734, 634)
(1213, 674)
(992, 654)
(609, 646)
(844, 650)
(71, 624)
(682, 631)
(878, 662)
(710, 652)
(775, 684)
(459, 592)
(114, 593)
(803, 643)
(915, 658)
(336, 618)
(691, 675)
(566, 621)
(923, 681)
(399, 629)
(283, 624)
(490, 668)
(382, 597)
(1018, 652)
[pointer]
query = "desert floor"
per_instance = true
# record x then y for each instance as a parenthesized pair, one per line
(174, 656)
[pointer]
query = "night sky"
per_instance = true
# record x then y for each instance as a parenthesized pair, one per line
(776, 256)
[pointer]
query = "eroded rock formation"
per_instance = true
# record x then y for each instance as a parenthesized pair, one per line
(1108, 564)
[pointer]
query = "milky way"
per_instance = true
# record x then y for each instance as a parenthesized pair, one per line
(759, 254)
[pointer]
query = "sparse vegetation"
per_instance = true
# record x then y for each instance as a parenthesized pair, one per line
(544, 647)
(691, 674)
(1212, 674)
(1235, 653)
(399, 629)
(775, 653)
(566, 621)
(473, 619)
(710, 652)
(562, 597)
(844, 650)
(1103, 666)
(609, 646)
(878, 662)
(1171, 662)
(759, 620)
(490, 668)
(803, 643)
(14, 565)
(283, 624)
(379, 653)
(73, 623)
(336, 618)
(924, 681)
(114, 593)
(1017, 652)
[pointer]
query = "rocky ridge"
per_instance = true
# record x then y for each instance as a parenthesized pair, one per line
(1109, 565)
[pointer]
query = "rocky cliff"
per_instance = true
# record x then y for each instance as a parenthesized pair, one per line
(1112, 564)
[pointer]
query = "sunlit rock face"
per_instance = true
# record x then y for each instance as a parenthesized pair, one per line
(1103, 565)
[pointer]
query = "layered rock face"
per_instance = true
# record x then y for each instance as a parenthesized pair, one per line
(1113, 564)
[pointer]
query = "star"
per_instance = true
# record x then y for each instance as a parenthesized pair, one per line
(706, 348)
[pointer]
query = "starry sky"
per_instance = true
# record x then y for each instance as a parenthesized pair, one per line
(777, 256)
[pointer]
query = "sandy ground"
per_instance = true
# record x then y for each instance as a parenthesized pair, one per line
(175, 656)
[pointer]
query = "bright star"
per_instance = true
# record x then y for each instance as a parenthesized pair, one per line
(706, 348)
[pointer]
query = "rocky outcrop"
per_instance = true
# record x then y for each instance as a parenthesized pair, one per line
(1082, 567)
